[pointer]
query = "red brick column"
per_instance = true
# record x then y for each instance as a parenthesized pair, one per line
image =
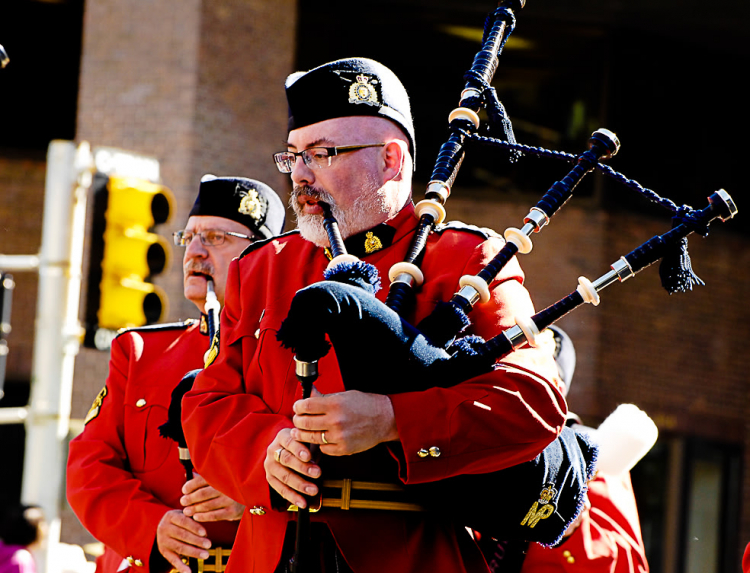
(196, 84)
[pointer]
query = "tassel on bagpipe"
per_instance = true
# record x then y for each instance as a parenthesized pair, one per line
(721, 206)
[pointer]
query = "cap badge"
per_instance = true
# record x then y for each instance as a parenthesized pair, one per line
(363, 91)
(250, 203)
(542, 508)
(372, 243)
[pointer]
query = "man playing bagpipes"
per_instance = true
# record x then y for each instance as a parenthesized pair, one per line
(124, 479)
(350, 452)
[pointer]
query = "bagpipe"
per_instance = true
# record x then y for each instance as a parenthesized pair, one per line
(548, 491)
(172, 428)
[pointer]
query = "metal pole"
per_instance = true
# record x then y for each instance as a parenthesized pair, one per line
(13, 415)
(57, 335)
(19, 262)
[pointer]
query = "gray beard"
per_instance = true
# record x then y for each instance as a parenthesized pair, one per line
(362, 216)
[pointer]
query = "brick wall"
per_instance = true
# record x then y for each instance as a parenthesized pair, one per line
(185, 82)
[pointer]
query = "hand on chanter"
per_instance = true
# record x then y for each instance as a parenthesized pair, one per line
(178, 535)
(344, 423)
(287, 461)
(203, 502)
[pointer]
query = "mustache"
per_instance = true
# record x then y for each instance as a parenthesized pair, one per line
(197, 266)
(313, 193)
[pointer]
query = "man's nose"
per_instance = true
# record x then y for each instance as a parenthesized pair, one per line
(195, 248)
(301, 173)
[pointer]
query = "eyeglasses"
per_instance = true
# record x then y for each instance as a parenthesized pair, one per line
(315, 157)
(211, 238)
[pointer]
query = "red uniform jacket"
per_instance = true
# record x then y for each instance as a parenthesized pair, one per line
(608, 539)
(242, 400)
(122, 475)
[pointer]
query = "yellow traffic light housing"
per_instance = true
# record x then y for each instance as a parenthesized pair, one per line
(125, 254)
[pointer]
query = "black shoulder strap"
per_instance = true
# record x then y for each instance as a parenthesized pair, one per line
(158, 327)
(258, 244)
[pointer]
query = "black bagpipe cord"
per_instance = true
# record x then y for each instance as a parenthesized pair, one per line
(676, 271)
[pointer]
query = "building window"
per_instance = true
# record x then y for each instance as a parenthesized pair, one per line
(688, 493)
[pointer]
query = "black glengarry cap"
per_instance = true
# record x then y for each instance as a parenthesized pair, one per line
(247, 201)
(349, 87)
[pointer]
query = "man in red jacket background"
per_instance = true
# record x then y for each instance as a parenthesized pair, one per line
(124, 479)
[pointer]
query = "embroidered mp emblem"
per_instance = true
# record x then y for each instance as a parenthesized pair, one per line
(363, 91)
(250, 203)
(542, 508)
(96, 406)
(372, 243)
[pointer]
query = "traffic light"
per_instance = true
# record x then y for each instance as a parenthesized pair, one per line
(125, 254)
(6, 294)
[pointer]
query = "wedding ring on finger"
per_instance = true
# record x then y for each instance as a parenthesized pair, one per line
(323, 437)
(277, 455)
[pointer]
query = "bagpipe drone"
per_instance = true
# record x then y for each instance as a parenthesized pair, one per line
(172, 428)
(549, 491)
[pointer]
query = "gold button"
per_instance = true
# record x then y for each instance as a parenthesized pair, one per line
(130, 560)
(141, 403)
(138, 563)
(571, 560)
(257, 333)
(435, 452)
(258, 510)
(423, 453)
(566, 553)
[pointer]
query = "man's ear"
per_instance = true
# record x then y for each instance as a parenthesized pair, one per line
(393, 159)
